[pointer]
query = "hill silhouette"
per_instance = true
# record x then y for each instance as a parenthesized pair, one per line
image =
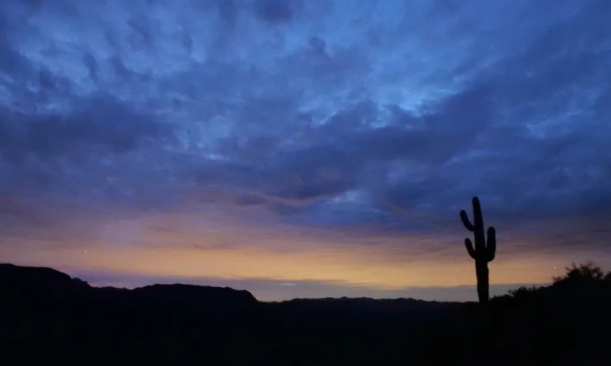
(47, 316)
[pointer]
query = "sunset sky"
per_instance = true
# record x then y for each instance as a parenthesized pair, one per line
(304, 148)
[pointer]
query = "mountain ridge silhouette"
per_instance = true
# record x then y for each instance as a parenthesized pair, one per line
(37, 278)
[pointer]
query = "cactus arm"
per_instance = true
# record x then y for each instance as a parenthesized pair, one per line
(469, 246)
(465, 221)
(491, 245)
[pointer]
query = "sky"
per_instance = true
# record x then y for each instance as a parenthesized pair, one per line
(304, 148)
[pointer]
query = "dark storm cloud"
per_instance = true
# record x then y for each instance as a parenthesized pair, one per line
(100, 122)
(276, 11)
(92, 66)
(418, 107)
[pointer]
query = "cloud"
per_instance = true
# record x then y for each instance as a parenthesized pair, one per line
(276, 11)
(225, 111)
(101, 122)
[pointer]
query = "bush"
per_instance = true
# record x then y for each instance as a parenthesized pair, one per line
(584, 272)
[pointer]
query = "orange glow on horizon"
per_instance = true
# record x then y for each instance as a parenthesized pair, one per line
(189, 245)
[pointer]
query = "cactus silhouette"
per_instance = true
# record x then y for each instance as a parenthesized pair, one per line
(484, 250)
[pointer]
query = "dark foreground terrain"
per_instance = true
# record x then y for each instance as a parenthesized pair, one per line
(46, 317)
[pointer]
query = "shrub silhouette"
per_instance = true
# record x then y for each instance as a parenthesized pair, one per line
(587, 272)
(580, 280)
(484, 250)
(583, 278)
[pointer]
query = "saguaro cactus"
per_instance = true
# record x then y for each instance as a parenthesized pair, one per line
(484, 250)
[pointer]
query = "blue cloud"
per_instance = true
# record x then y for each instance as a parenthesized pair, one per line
(303, 107)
